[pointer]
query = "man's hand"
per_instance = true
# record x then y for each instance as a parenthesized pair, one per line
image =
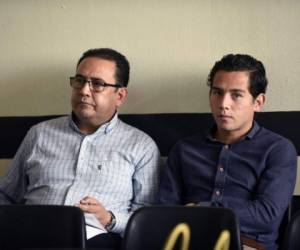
(191, 204)
(91, 205)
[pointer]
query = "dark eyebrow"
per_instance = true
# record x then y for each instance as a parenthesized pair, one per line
(237, 90)
(99, 79)
(80, 75)
(215, 88)
(93, 78)
(231, 90)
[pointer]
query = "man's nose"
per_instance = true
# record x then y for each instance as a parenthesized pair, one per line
(225, 101)
(86, 87)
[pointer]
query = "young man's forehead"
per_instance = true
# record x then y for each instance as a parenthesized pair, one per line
(234, 89)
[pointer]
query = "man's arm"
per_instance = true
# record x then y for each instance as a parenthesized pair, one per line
(145, 184)
(14, 183)
(273, 193)
(171, 185)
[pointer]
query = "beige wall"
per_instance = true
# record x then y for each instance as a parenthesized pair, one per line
(171, 46)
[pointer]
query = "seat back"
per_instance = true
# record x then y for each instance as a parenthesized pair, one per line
(149, 227)
(292, 239)
(295, 204)
(41, 226)
(283, 226)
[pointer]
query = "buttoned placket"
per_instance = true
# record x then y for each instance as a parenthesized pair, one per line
(220, 178)
(74, 194)
(80, 170)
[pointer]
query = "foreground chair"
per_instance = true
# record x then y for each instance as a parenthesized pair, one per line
(292, 234)
(41, 226)
(149, 227)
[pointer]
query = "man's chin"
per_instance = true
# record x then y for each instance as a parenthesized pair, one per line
(225, 128)
(84, 115)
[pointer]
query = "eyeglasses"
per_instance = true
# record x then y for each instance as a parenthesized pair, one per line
(96, 85)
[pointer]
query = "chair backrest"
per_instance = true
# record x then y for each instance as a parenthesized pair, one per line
(295, 204)
(292, 234)
(283, 226)
(41, 226)
(149, 227)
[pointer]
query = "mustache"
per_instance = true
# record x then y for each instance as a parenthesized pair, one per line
(84, 101)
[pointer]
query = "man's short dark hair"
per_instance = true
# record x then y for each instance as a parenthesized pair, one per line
(257, 75)
(122, 64)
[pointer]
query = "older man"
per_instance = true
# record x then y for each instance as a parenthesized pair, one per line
(90, 158)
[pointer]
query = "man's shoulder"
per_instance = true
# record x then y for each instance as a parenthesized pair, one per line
(274, 139)
(133, 132)
(191, 141)
(135, 139)
(51, 123)
(266, 134)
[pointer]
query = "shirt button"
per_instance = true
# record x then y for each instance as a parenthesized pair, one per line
(218, 193)
(221, 169)
(226, 146)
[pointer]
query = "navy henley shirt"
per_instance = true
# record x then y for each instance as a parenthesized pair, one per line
(254, 176)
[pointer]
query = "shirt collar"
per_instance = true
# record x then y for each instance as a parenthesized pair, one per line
(249, 135)
(253, 131)
(103, 129)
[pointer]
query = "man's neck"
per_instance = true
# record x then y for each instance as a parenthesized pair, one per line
(87, 129)
(229, 137)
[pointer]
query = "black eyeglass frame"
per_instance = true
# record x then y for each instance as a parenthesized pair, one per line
(101, 83)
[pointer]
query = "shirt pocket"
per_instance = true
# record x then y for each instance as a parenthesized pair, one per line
(113, 176)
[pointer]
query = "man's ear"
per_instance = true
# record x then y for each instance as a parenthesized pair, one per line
(121, 96)
(259, 102)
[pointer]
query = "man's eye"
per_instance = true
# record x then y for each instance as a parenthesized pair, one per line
(80, 80)
(236, 95)
(216, 92)
(97, 83)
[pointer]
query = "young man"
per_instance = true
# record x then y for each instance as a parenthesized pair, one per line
(238, 164)
(90, 159)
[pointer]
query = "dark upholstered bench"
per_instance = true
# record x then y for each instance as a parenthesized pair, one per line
(165, 129)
